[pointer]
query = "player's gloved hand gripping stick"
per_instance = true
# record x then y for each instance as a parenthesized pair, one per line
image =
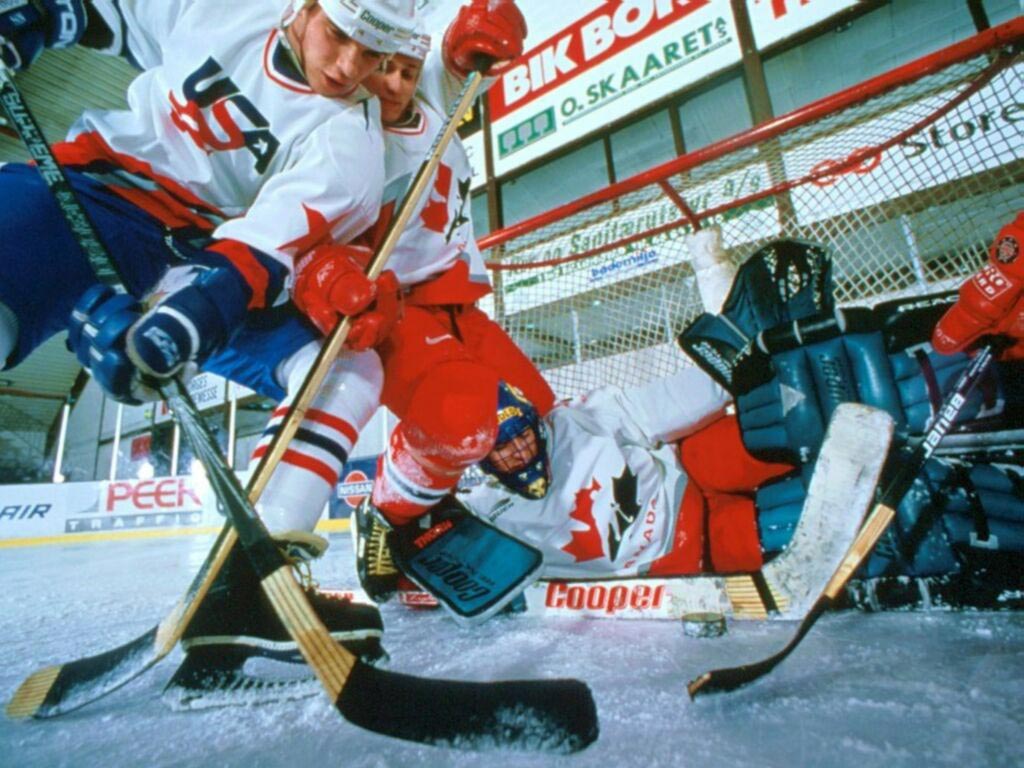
(559, 714)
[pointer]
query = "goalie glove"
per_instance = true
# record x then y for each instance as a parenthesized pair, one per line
(27, 27)
(330, 284)
(131, 352)
(488, 30)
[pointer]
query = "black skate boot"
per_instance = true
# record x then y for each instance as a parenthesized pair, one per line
(378, 575)
(236, 624)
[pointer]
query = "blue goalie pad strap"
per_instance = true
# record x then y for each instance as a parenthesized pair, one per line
(952, 510)
(470, 566)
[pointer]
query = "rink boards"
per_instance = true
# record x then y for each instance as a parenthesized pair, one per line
(110, 510)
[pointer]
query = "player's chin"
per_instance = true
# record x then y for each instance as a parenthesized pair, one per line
(391, 111)
(332, 88)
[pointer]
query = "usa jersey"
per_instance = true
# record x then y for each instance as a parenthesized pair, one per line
(438, 239)
(616, 481)
(224, 135)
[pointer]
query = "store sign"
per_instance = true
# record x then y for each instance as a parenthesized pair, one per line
(206, 391)
(611, 62)
(775, 20)
(982, 133)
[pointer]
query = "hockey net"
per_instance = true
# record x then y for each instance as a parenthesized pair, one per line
(906, 178)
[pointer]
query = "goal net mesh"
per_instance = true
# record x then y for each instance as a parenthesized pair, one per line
(906, 185)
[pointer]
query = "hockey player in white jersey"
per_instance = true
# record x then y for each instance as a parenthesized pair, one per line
(443, 360)
(443, 354)
(624, 500)
(234, 159)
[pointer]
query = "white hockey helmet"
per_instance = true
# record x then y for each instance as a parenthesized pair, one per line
(380, 25)
(418, 45)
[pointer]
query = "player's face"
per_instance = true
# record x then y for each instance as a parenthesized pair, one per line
(516, 453)
(334, 64)
(395, 84)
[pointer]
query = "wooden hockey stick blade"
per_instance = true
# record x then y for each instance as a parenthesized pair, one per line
(910, 464)
(549, 715)
(731, 678)
(845, 477)
(59, 689)
(481, 708)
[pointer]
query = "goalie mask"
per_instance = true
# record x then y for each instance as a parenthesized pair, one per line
(519, 459)
(381, 25)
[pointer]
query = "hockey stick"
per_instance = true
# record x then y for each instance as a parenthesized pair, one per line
(555, 715)
(911, 461)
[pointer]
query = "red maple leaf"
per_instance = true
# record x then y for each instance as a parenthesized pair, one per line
(435, 212)
(319, 232)
(586, 544)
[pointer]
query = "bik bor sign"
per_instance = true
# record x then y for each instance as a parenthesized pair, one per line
(603, 66)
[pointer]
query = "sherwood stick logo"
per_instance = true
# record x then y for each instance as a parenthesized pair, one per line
(945, 421)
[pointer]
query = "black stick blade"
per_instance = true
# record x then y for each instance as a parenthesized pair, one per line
(60, 689)
(543, 715)
(731, 678)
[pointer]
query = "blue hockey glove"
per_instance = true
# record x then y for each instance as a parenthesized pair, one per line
(29, 26)
(130, 354)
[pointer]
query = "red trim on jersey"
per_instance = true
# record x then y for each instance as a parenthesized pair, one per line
(254, 273)
(416, 130)
(169, 204)
(450, 287)
(302, 461)
(290, 85)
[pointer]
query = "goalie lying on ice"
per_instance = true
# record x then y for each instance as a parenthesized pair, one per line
(655, 480)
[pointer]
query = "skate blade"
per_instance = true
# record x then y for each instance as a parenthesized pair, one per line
(240, 691)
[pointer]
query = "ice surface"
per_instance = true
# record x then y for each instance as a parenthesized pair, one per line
(896, 689)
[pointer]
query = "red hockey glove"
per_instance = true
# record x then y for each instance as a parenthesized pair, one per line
(492, 29)
(991, 302)
(330, 283)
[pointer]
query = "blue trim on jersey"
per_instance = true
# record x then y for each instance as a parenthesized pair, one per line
(43, 273)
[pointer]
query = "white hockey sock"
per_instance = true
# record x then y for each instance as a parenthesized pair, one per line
(8, 333)
(302, 483)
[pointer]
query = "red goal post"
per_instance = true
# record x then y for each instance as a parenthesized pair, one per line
(905, 177)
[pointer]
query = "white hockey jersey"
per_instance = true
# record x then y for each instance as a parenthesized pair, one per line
(617, 484)
(222, 132)
(439, 235)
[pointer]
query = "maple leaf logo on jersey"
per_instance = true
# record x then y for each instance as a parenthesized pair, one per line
(626, 509)
(319, 231)
(586, 544)
(460, 217)
(435, 212)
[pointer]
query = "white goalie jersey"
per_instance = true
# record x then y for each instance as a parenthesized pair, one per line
(616, 484)
(224, 134)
